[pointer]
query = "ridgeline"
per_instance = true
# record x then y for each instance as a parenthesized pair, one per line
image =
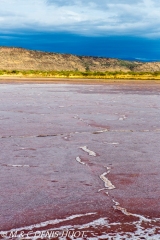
(23, 62)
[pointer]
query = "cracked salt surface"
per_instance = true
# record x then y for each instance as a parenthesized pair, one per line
(101, 131)
(141, 232)
(107, 182)
(147, 230)
(45, 224)
(125, 212)
(104, 222)
(99, 190)
(121, 119)
(91, 153)
(114, 143)
(145, 227)
(79, 160)
(10, 165)
(116, 203)
(96, 132)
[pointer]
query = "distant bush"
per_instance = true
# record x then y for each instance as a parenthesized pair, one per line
(128, 64)
(83, 74)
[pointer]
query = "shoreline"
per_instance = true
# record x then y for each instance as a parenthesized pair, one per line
(88, 81)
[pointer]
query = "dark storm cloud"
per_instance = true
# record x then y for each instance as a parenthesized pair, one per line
(94, 17)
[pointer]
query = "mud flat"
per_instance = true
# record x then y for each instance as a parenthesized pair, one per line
(81, 158)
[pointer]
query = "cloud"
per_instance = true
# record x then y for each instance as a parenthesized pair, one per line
(94, 17)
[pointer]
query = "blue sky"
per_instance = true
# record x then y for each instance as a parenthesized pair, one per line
(124, 29)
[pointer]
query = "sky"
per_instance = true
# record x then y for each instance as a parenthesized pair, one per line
(126, 29)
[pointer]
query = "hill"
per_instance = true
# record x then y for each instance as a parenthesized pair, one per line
(22, 59)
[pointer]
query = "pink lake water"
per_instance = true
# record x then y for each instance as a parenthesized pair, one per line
(80, 157)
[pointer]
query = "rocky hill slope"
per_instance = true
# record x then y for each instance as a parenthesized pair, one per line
(22, 59)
